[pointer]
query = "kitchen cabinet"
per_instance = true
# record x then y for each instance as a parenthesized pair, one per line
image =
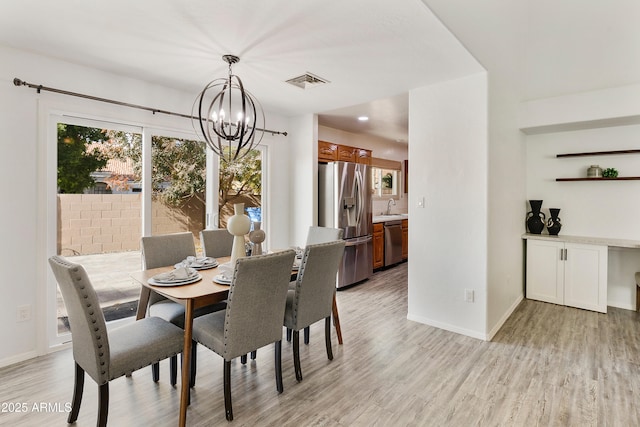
(330, 152)
(571, 274)
(346, 153)
(405, 239)
(327, 151)
(378, 245)
(363, 156)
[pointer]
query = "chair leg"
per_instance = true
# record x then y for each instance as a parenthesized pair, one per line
(288, 335)
(637, 297)
(327, 336)
(155, 372)
(173, 370)
(227, 390)
(306, 335)
(103, 408)
(336, 320)
(78, 387)
(254, 354)
(296, 355)
(278, 361)
(194, 359)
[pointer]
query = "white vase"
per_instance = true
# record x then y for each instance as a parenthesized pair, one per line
(238, 225)
(256, 237)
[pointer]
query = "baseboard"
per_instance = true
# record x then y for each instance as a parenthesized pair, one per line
(504, 317)
(18, 358)
(622, 305)
(447, 327)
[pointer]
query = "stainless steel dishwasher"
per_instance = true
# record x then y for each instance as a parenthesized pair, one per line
(392, 242)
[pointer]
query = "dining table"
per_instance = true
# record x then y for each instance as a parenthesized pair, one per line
(192, 296)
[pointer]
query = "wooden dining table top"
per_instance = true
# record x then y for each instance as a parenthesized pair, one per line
(204, 286)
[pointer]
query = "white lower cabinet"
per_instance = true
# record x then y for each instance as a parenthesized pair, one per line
(565, 273)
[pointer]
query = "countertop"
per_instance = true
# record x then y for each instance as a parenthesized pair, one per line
(603, 241)
(393, 217)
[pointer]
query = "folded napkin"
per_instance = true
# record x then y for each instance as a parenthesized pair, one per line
(182, 273)
(192, 261)
(226, 270)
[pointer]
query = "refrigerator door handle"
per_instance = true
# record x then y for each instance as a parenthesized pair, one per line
(358, 241)
(360, 196)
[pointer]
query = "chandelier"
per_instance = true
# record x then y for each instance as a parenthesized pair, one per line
(230, 118)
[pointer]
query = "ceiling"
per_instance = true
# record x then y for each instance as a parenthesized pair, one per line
(371, 52)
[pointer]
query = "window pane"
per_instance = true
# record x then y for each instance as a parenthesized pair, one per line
(99, 213)
(241, 182)
(178, 184)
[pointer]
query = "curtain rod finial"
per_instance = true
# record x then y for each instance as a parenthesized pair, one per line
(18, 82)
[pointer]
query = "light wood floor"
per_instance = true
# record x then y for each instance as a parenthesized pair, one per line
(549, 365)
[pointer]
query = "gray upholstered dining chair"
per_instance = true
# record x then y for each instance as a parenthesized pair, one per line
(165, 250)
(315, 235)
(323, 234)
(216, 242)
(253, 318)
(107, 355)
(312, 298)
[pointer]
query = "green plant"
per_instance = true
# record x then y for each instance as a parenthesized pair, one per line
(387, 180)
(610, 173)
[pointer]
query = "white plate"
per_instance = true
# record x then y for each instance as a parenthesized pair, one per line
(200, 264)
(175, 282)
(221, 280)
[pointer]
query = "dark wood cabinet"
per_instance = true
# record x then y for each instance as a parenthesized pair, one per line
(346, 153)
(378, 245)
(363, 156)
(327, 151)
(405, 238)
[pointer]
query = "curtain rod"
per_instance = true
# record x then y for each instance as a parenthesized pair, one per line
(39, 88)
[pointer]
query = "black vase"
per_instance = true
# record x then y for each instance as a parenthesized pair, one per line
(535, 219)
(554, 225)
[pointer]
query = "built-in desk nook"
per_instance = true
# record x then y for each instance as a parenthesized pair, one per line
(573, 270)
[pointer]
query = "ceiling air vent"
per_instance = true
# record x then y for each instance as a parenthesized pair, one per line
(307, 80)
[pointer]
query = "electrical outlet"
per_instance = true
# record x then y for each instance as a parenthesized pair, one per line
(24, 313)
(468, 295)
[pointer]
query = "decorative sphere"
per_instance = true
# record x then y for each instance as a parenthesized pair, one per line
(239, 225)
(257, 236)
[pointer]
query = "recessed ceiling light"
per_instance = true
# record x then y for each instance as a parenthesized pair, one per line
(363, 118)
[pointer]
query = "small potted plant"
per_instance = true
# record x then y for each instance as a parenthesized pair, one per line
(610, 173)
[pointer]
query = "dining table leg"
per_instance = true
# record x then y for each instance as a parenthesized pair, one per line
(186, 358)
(143, 301)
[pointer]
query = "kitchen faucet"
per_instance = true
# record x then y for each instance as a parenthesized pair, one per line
(389, 206)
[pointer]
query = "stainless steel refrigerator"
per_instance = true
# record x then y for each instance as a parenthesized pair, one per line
(344, 201)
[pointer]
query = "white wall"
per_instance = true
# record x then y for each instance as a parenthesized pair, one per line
(448, 149)
(23, 251)
(495, 31)
(303, 177)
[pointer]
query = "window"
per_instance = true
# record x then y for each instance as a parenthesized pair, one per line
(241, 182)
(98, 222)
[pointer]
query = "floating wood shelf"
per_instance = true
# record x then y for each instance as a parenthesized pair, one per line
(599, 153)
(620, 178)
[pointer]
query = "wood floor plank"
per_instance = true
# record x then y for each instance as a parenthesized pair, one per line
(549, 365)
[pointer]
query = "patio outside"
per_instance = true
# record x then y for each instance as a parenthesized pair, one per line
(110, 275)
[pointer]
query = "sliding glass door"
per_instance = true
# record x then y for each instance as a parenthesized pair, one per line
(111, 183)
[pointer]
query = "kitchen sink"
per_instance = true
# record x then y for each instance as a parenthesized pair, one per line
(392, 217)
